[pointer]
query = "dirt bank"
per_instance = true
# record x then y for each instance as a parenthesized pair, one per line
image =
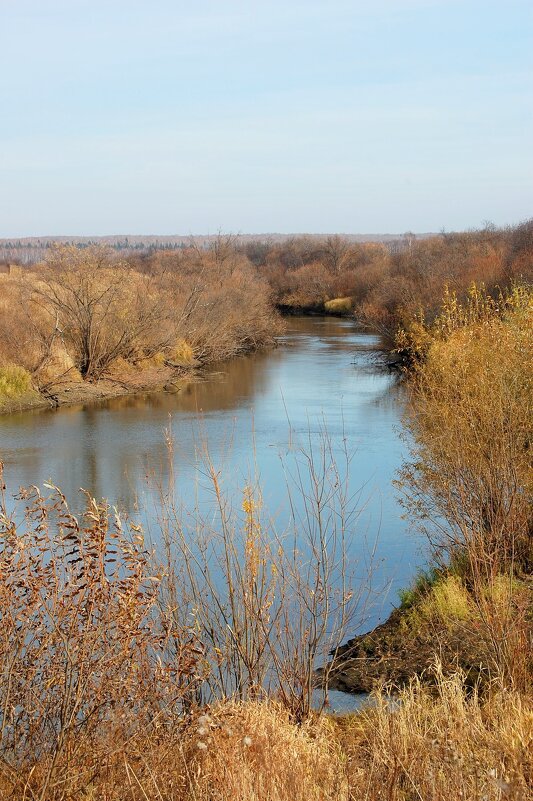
(393, 653)
(65, 392)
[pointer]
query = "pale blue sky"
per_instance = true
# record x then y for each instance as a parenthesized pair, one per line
(166, 117)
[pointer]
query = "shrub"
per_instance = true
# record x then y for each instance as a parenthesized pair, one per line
(86, 660)
(469, 483)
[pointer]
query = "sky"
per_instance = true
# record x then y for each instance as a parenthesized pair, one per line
(171, 117)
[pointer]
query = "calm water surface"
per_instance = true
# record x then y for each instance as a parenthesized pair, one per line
(253, 412)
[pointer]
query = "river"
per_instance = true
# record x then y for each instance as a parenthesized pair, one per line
(254, 413)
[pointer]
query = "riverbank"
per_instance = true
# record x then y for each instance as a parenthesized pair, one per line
(405, 648)
(133, 382)
(467, 487)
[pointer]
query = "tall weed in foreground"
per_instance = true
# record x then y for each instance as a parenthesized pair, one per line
(441, 744)
(83, 656)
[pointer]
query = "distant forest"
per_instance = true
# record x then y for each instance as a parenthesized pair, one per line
(29, 250)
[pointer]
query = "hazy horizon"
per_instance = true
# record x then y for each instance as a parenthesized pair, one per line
(232, 234)
(255, 117)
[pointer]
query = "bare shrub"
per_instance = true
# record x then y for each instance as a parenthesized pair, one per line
(471, 420)
(103, 309)
(269, 607)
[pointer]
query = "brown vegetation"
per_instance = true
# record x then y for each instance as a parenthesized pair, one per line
(85, 314)
(107, 661)
(469, 483)
(391, 286)
(104, 658)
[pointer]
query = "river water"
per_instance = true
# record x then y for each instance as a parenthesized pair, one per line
(254, 413)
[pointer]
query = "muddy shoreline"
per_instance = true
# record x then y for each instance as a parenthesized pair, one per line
(69, 393)
(393, 653)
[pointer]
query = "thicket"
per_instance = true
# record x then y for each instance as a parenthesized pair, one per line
(469, 484)
(388, 285)
(84, 312)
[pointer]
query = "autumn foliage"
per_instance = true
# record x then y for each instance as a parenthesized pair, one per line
(85, 311)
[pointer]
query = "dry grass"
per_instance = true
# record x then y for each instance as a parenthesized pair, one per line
(182, 353)
(441, 745)
(435, 746)
(254, 752)
(339, 306)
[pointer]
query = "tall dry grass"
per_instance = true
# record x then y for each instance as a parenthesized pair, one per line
(441, 744)
(85, 662)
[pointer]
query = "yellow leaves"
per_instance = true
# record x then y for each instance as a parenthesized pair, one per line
(472, 421)
(249, 504)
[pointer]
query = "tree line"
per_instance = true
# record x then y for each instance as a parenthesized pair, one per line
(84, 310)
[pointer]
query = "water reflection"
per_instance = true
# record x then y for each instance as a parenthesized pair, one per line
(251, 411)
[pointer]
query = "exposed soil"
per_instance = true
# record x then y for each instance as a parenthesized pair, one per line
(67, 392)
(392, 654)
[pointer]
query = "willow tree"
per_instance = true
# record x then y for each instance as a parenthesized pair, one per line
(103, 308)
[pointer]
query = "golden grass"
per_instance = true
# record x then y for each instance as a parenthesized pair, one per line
(254, 752)
(447, 602)
(339, 305)
(444, 744)
(182, 353)
(441, 745)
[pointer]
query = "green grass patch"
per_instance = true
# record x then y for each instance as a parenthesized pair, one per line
(15, 382)
(447, 602)
(422, 584)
